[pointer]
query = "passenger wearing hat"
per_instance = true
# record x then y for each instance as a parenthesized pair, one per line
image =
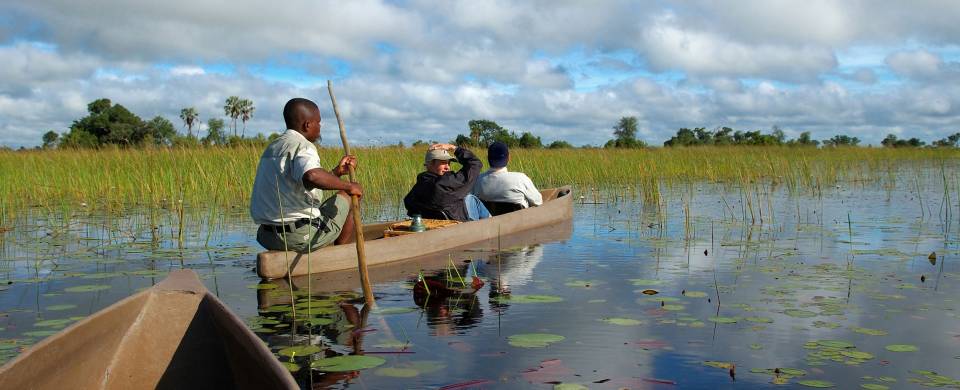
(444, 194)
(503, 191)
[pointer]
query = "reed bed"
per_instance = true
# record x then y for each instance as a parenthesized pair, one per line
(223, 177)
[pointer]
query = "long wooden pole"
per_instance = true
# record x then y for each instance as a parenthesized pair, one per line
(355, 207)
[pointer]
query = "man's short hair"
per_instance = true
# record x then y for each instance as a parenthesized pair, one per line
(296, 110)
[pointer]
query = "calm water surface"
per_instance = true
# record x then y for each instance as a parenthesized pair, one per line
(809, 290)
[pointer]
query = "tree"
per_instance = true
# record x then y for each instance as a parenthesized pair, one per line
(109, 124)
(626, 134)
(841, 140)
(50, 139)
(528, 140)
(484, 132)
(950, 141)
(246, 112)
(461, 140)
(189, 115)
(215, 135)
(560, 144)
(232, 109)
(160, 130)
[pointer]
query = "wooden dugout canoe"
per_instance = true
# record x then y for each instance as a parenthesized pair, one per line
(557, 206)
(175, 335)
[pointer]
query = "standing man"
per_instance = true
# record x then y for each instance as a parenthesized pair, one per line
(503, 191)
(287, 198)
(442, 194)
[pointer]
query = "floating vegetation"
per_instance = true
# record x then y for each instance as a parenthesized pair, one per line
(901, 348)
(411, 369)
(529, 299)
(346, 363)
(724, 320)
(88, 288)
(622, 321)
(534, 340)
(299, 350)
(816, 383)
(868, 331)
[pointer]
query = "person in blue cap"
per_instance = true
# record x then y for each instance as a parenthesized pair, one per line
(503, 191)
(441, 193)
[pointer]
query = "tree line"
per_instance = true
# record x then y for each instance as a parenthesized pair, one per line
(109, 123)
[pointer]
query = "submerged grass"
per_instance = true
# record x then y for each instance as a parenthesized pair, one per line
(119, 178)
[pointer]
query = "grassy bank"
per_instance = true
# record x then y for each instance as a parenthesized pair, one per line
(116, 178)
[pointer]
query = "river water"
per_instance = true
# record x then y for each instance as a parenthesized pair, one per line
(854, 286)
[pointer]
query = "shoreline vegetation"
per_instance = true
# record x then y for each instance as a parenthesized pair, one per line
(114, 178)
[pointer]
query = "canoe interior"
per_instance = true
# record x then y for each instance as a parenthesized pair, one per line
(173, 336)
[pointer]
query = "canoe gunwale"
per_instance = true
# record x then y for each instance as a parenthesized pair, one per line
(558, 207)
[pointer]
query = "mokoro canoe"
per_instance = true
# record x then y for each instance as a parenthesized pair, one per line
(331, 282)
(557, 206)
(175, 335)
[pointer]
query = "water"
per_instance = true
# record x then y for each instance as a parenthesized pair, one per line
(819, 289)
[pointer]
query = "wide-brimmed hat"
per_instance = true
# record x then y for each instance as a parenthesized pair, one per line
(437, 154)
(498, 154)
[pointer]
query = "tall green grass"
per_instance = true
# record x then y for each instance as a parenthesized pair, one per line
(223, 177)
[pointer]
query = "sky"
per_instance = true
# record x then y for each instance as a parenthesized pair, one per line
(409, 70)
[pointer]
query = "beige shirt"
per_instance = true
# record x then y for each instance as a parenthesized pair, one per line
(499, 185)
(281, 168)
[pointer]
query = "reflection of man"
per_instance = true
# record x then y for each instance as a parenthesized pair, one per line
(516, 268)
(444, 194)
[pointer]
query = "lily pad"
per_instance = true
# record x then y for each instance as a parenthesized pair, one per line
(695, 294)
(395, 310)
(622, 321)
(40, 333)
(857, 355)
(60, 307)
(53, 323)
(673, 307)
(763, 320)
(724, 365)
(901, 348)
(291, 366)
(868, 331)
(263, 286)
(799, 313)
(299, 350)
(346, 363)
(874, 386)
(581, 283)
(534, 340)
(839, 344)
(816, 383)
(88, 288)
(723, 320)
(569, 386)
(396, 372)
(645, 282)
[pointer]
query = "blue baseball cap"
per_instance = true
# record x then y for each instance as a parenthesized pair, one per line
(498, 154)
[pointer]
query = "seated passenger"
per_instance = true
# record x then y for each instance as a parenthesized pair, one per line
(442, 194)
(502, 191)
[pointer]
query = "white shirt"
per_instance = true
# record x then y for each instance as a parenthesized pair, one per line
(499, 185)
(281, 168)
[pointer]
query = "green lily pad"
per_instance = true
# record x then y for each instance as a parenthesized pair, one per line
(695, 294)
(901, 348)
(622, 321)
(713, 363)
(392, 344)
(673, 307)
(534, 299)
(799, 313)
(838, 344)
(88, 288)
(874, 386)
(763, 320)
(291, 366)
(816, 383)
(868, 331)
(857, 355)
(53, 323)
(581, 283)
(645, 282)
(756, 346)
(40, 333)
(263, 286)
(723, 320)
(534, 340)
(570, 386)
(395, 310)
(60, 307)
(346, 363)
(299, 350)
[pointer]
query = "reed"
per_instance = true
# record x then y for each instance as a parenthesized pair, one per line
(114, 178)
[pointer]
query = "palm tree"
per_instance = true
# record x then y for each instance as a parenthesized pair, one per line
(246, 112)
(189, 116)
(232, 110)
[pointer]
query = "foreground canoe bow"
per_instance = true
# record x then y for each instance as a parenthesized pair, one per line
(557, 206)
(175, 335)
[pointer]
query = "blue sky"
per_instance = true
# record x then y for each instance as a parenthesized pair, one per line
(562, 70)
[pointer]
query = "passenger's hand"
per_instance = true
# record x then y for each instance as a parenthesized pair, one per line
(343, 167)
(447, 147)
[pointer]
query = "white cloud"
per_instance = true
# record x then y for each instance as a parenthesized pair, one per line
(917, 64)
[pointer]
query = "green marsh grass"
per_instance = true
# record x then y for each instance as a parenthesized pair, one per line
(114, 179)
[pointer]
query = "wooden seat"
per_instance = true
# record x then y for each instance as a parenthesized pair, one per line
(497, 208)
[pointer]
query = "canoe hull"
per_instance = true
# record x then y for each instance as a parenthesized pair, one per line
(557, 207)
(172, 336)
